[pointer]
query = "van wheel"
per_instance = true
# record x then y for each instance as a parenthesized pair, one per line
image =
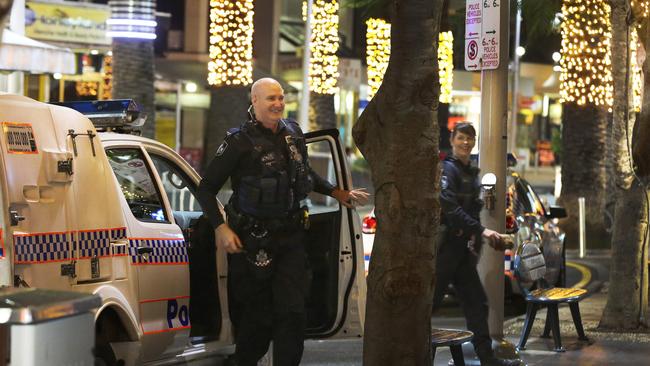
(108, 328)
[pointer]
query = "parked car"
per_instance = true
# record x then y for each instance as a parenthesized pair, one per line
(527, 219)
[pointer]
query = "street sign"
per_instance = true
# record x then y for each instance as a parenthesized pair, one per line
(482, 34)
(490, 34)
(473, 18)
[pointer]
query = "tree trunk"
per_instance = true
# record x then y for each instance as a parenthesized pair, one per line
(133, 77)
(321, 111)
(584, 172)
(626, 304)
(398, 135)
(228, 109)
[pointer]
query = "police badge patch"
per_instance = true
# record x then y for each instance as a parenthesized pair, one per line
(443, 182)
(222, 148)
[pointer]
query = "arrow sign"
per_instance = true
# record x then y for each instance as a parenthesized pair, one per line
(491, 32)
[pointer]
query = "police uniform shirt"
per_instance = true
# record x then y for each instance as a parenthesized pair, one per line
(247, 150)
(459, 197)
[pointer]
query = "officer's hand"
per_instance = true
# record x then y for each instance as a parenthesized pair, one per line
(227, 239)
(494, 239)
(352, 198)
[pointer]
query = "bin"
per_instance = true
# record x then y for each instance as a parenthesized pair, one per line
(46, 327)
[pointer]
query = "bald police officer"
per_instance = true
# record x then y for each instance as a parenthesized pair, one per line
(266, 160)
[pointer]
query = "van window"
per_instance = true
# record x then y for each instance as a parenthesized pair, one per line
(135, 180)
(320, 160)
(178, 187)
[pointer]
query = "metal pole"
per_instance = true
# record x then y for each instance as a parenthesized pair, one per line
(515, 84)
(581, 220)
(306, 56)
(493, 141)
(16, 80)
(179, 110)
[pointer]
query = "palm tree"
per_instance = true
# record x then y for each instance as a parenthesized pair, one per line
(231, 69)
(133, 77)
(323, 64)
(586, 92)
(627, 305)
(397, 134)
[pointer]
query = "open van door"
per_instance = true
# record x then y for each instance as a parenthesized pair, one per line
(337, 298)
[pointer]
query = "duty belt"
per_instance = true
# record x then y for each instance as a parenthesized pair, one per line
(259, 228)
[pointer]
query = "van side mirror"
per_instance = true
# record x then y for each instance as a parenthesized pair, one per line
(556, 213)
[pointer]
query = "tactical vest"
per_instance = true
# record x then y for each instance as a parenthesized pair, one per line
(277, 177)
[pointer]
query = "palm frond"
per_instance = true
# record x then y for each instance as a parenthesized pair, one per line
(539, 15)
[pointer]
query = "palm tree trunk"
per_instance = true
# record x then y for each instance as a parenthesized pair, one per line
(398, 135)
(321, 111)
(228, 109)
(584, 172)
(626, 304)
(133, 77)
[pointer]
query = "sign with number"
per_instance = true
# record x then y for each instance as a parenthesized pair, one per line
(482, 20)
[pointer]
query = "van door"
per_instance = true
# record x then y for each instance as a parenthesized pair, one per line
(336, 304)
(157, 251)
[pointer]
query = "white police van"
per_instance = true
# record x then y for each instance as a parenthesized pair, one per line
(106, 213)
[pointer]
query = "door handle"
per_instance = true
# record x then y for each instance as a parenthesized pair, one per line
(144, 250)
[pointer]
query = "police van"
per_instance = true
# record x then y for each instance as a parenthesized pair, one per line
(99, 210)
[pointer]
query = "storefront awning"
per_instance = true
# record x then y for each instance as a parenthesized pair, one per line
(20, 53)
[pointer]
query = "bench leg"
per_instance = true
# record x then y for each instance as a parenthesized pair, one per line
(457, 355)
(531, 311)
(547, 328)
(577, 320)
(551, 312)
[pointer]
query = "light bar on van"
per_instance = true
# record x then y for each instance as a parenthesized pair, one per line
(109, 114)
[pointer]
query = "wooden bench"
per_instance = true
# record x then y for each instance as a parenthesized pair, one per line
(452, 338)
(529, 266)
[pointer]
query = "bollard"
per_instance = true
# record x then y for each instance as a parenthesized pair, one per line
(581, 219)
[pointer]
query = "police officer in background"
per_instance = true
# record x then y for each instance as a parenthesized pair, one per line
(266, 160)
(461, 234)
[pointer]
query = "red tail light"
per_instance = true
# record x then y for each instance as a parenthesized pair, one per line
(511, 224)
(369, 225)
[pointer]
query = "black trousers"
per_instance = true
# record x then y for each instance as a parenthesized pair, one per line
(456, 265)
(270, 306)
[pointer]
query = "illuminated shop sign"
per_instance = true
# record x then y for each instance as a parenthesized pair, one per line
(62, 22)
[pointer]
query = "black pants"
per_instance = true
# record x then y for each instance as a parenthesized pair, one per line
(270, 307)
(456, 265)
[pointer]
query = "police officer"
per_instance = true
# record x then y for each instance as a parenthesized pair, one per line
(266, 160)
(460, 236)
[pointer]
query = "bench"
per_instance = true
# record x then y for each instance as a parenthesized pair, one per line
(530, 267)
(452, 338)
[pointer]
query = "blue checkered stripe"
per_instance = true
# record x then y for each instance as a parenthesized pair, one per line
(94, 243)
(39, 248)
(165, 251)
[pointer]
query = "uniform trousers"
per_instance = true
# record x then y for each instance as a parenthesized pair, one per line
(270, 305)
(456, 265)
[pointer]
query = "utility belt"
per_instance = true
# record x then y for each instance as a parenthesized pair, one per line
(260, 228)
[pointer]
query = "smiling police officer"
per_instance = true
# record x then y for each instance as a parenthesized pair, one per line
(460, 238)
(266, 160)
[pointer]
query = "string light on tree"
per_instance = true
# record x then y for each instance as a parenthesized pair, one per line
(637, 80)
(231, 42)
(378, 53)
(586, 53)
(446, 65)
(640, 8)
(323, 66)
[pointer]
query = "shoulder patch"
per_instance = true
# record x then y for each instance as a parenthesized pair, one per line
(444, 182)
(222, 148)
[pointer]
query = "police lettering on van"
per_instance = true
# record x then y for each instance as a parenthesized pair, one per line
(103, 211)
